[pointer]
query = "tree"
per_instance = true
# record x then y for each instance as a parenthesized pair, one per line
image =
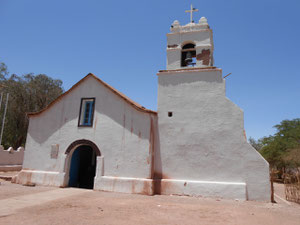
(255, 144)
(3, 71)
(292, 157)
(27, 93)
(282, 149)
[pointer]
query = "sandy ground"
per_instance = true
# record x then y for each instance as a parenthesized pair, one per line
(8, 191)
(46, 206)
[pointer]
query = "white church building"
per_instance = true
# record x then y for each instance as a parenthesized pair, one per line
(95, 137)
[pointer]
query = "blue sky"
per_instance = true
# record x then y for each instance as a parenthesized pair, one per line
(124, 44)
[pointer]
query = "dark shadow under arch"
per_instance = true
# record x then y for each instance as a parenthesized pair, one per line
(83, 142)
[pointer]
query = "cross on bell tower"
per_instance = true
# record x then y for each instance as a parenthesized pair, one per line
(190, 45)
(191, 12)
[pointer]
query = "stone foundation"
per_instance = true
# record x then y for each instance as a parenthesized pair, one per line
(227, 190)
(47, 178)
(124, 185)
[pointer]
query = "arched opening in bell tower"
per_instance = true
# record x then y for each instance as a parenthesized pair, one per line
(188, 55)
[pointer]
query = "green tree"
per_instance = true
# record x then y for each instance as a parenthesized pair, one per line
(27, 93)
(255, 144)
(292, 157)
(282, 149)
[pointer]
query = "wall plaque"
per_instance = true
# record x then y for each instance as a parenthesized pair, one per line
(54, 151)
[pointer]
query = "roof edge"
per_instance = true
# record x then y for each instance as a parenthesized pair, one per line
(124, 97)
(200, 69)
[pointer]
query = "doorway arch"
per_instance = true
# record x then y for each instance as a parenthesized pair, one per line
(81, 164)
(83, 142)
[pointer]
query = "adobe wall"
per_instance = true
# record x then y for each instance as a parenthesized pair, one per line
(203, 150)
(121, 132)
(11, 156)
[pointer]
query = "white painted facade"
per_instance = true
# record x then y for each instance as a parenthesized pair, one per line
(193, 145)
(203, 143)
(121, 132)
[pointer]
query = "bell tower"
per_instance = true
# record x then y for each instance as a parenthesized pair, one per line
(202, 147)
(190, 45)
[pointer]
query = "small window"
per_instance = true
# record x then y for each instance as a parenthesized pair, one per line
(170, 114)
(86, 114)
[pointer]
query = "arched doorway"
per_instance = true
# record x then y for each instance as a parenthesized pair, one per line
(82, 158)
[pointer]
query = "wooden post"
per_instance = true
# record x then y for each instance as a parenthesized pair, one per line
(4, 115)
(272, 186)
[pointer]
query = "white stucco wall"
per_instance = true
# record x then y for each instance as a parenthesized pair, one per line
(200, 150)
(121, 132)
(204, 139)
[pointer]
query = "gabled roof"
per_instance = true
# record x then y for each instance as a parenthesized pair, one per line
(124, 97)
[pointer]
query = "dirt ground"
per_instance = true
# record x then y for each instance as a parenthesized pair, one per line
(96, 207)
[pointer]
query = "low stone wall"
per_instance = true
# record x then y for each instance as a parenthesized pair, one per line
(11, 157)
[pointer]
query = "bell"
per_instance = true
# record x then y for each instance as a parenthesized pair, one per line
(188, 60)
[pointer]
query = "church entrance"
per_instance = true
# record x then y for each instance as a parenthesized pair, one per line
(83, 167)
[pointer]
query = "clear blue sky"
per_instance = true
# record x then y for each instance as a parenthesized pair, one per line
(124, 43)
